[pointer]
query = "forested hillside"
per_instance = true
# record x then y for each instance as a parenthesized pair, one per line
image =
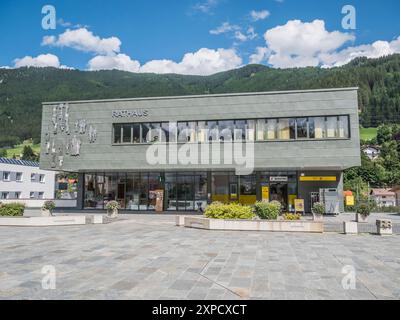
(22, 90)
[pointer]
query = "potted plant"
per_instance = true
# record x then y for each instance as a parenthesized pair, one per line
(318, 210)
(363, 210)
(47, 208)
(112, 209)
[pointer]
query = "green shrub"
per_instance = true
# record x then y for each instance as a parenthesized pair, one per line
(49, 205)
(219, 210)
(113, 205)
(364, 209)
(12, 209)
(318, 208)
(268, 210)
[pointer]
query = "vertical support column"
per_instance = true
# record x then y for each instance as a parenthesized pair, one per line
(209, 187)
(340, 191)
(81, 186)
(258, 186)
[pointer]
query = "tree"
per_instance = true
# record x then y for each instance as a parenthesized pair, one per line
(28, 154)
(3, 153)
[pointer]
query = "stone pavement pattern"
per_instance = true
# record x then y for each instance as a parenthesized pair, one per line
(147, 257)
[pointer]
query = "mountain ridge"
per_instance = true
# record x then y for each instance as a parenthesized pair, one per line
(23, 90)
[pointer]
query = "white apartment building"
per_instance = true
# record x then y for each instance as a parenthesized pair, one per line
(23, 181)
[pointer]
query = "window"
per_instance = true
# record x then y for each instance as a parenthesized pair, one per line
(136, 132)
(6, 176)
(5, 195)
(18, 195)
(126, 133)
(19, 177)
(33, 177)
(40, 195)
(41, 178)
(238, 130)
(117, 133)
(286, 129)
(302, 128)
(32, 195)
(331, 127)
(344, 127)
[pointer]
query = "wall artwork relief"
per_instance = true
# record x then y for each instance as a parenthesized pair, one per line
(58, 141)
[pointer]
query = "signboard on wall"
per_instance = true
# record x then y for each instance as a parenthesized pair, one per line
(265, 193)
(318, 178)
(278, 179)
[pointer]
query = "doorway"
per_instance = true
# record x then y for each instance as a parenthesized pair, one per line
(279, 192)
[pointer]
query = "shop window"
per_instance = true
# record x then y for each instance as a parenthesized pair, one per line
(271, 129)
(317, 128)
(286, 129)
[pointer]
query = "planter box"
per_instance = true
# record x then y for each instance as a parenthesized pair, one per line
(350, 227)
(384, 227)
(254, 225)
(43, 221)
(179, 221)
(94, 219)
(361, 219)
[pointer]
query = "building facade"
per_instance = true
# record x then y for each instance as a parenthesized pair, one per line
(23, 181)
(193, 150)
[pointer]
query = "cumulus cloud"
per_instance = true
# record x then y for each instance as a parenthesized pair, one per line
(206, 6)
(84, 40)
(375, 50)
(259, 15)
(301, 44)
(261, 55)
(224, 28)
(41, 61)
(119, 61)
(203, 62)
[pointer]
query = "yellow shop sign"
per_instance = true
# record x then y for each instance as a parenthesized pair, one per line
(318, 178)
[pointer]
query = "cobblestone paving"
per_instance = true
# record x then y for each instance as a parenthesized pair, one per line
(147, 257)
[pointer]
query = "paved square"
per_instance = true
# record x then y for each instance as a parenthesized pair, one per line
(148, 257)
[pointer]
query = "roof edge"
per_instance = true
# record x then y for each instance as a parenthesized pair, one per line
(206, 95)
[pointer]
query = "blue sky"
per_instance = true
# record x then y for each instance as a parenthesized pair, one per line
(215, 35)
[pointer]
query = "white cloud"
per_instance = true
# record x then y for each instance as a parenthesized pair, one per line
(300, 44)
(206, 6)
(224, 28)
(259, 15)
(203, 62)
(261, 55)
(84, 40)
(118, 61)
(250, 35)
(41, 61)
(375, 50)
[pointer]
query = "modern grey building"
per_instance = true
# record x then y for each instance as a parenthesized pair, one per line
(127, 149)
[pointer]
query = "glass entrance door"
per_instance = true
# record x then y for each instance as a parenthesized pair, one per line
(279, 192)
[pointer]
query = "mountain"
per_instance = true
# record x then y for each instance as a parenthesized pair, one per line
(22, 90)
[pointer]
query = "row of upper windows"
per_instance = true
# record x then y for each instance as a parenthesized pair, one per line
(332, 127)
(17, 195)
(19, 177)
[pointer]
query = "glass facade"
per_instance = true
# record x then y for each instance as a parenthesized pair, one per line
(330, 127)
(187, 191)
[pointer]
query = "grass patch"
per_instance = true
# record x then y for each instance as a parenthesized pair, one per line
(17, 150)
(368, 133)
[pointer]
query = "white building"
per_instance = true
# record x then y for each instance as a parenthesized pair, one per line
(384, 197)
(371, 152)
(23, 181)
